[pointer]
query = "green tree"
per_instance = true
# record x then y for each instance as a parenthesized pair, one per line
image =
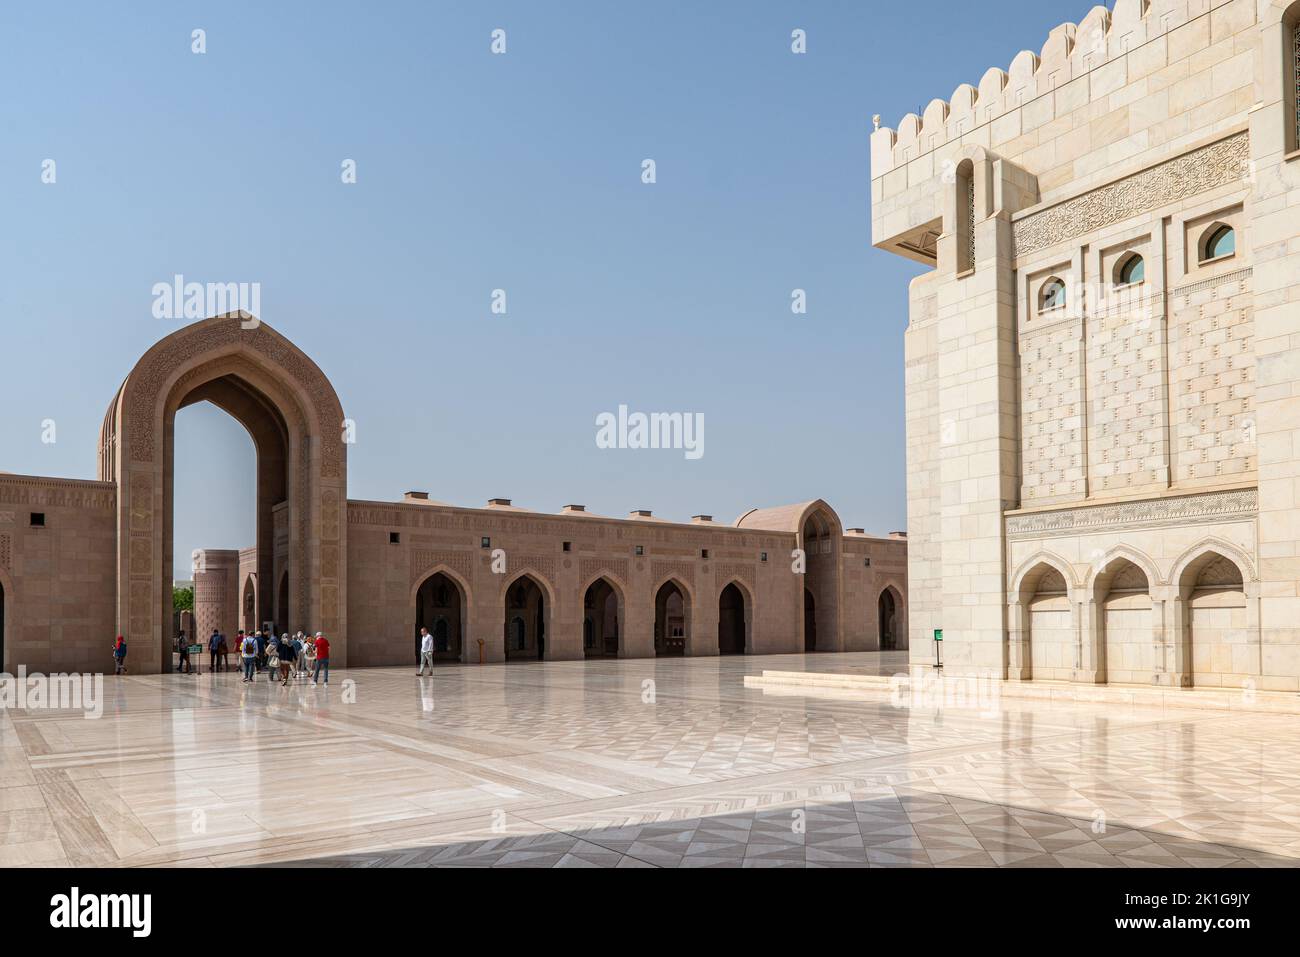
(182, 599)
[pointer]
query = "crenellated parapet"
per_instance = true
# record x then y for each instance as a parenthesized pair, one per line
(1070, 52)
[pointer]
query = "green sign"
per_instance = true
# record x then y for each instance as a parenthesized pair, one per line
(938, 634)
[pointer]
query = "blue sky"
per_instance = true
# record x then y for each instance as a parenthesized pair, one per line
(478, 172)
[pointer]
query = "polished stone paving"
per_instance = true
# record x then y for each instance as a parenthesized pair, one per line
(668, 762)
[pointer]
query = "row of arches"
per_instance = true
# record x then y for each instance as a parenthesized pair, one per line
(1126, 624)
(442, 605)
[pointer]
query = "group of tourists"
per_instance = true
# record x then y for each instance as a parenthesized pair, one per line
(260, 652)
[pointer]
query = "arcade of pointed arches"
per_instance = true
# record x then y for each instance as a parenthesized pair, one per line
(1126, 623)
(442, 600)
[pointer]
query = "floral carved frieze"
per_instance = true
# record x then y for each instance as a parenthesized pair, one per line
(1202, 169)
(424, 560)
(1153, 513)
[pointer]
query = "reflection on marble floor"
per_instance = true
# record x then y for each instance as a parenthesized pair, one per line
(568, 763)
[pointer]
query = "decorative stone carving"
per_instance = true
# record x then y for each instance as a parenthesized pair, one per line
(683, 570)
(1202, 169)
(729, 570)
(591, 567)
(149, 376)
(55, 493)
(424, 560)
(543, 564)
(1153, 513)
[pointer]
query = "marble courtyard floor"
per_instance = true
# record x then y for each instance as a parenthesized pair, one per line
(568, 764)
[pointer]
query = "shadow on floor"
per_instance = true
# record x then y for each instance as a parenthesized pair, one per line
(912, 829)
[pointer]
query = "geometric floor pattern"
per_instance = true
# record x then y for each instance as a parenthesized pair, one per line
(635, 763)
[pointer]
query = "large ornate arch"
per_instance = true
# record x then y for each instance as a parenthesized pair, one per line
(293, 412)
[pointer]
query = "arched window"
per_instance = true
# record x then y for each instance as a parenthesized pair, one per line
(965, 217)
(1132, 269)
(1291, 75)
(1219, 240)
(1052, 295)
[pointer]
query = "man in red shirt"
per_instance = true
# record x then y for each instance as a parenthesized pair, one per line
(322, 658)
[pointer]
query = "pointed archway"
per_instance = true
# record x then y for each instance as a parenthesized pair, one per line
(672, 619)
(441, 607)
(733, 621)
(287, 404)
(527, 616)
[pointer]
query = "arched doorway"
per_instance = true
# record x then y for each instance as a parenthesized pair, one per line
(1048, 623)
(601, 607)
(887, 615)
(809, 621)
(821, 538)
(248, 615)
(1217, 647)
(291, 411)
(1123, 597)
(526, 615)
(731, 621)
(672, 620)
(440, 607)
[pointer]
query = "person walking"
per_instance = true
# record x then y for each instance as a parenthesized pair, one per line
(322, 659)
(272, 657)
(248, 651)
(223, 650)
(183, 647)
(119, 657)
(426, 653)
(260, 638)
(214, 649)
(287, 657)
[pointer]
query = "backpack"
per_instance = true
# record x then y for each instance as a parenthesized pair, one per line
(250, 646)
(120, 650)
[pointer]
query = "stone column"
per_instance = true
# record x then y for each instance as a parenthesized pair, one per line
(1092, 644)
(1019, 667)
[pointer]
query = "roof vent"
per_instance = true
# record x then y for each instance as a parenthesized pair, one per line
(498, 501)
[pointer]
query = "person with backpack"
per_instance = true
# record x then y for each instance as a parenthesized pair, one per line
(248, 654)
(287, 655)
(214, 647)
(119, 656)
(322, 658)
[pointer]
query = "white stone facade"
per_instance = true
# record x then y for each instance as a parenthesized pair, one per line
(1103, 365)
